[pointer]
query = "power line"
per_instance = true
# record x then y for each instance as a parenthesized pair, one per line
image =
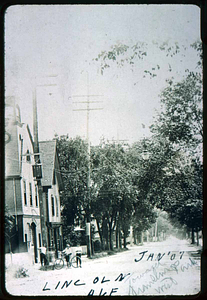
(85, 96)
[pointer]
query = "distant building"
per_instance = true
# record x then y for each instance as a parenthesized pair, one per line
(52, 185)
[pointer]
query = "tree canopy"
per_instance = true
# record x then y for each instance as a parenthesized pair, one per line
(125, 189)
(172, 177)
(113, 198)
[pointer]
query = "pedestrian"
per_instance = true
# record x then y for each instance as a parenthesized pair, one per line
(67, 251)
(78, 251)
(43, 257)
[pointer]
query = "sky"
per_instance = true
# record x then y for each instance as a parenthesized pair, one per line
(50, 52)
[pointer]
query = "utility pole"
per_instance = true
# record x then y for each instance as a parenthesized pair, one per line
(88, 109)
(37, 167)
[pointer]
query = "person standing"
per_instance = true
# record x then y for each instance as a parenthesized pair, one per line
(43, 257)
(67, 251)
(78, 251)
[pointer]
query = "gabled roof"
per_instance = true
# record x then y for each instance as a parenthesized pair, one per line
(49, 160)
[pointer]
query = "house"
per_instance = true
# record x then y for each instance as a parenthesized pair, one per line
(21, 188)
(32, 187)
(52, 185)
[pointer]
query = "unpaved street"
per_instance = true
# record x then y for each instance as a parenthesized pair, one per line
(171, 267)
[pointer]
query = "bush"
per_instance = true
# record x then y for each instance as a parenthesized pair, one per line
(21, 272)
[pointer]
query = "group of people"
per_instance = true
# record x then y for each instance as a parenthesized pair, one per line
(67, 252)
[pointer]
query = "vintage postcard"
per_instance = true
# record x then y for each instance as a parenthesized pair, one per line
(103, 150)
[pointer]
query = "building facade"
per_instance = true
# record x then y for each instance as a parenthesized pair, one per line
(32, 188)
(52, 186)
(21, 190)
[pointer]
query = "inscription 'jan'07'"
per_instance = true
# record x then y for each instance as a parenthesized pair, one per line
(159, 256)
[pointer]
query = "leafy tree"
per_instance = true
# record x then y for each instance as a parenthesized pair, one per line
(180, 120)
(144, 176)
(119, 200)
(143, 218)
(172, 180)
(185, 193)
(138, 56)
(180, 123)
(113, 199)
(73, 160)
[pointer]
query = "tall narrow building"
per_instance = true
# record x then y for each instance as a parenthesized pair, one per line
(21, 189)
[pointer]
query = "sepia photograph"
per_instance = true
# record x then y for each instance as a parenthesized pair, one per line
(103, 150)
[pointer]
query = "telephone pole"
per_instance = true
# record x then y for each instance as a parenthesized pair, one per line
(88, 109)
(37, 168)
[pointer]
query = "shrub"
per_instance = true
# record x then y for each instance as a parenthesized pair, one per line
(21, 272)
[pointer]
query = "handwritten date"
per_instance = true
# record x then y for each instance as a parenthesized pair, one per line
(159, 256)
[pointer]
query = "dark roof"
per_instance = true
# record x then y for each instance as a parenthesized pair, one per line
(49, 160)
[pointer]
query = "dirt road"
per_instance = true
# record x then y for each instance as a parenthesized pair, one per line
(170, 267)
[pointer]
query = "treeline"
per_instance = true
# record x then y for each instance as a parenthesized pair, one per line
(118, 187)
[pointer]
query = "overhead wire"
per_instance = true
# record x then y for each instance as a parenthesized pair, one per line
(62, 172)
(70, 173)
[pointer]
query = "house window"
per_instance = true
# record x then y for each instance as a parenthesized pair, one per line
(25, 192)
(53, 206)
(36, 196)
(30, 194)
(57, 212)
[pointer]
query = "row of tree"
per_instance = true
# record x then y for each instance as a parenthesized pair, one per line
(124, 188)
(114, 198)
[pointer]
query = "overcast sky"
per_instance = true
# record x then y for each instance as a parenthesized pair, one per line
(56, 44)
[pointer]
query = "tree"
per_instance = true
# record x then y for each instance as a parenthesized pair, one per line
(120, 199)
(73, 160)
(144, 176)
(166, 180)
(119, 196)
(171, 179)
(180, 120)
(185, 192)
(149, 59)
(112, 201)
(180, 123)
